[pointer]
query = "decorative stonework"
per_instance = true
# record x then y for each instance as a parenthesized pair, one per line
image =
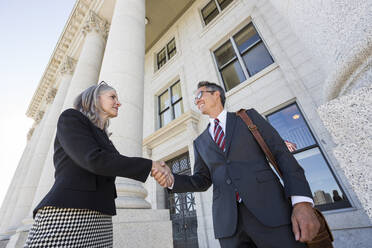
(187, 122)
(30, 133)
(50, 95)
(97, 24)
(39, 117)
(67, 66)
(348, 118)
(69, 34)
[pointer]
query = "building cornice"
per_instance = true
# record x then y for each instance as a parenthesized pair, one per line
(70, 31)
(186, 121)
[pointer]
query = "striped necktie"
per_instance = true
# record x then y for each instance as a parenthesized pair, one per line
(219, 136)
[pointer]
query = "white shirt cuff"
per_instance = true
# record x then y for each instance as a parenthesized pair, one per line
(171, 187)
(297, 199)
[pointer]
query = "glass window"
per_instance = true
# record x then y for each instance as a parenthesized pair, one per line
(213, 8)
(162, 58)
(209, 12)
(292, 127)
(171, 48)
(241, 56)
(224, 3)
(170, 104)
(166, 53)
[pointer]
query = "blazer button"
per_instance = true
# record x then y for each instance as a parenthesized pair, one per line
(228, 181)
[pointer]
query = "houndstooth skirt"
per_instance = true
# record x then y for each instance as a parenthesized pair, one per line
(69, 227)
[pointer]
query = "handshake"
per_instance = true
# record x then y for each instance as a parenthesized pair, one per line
(162, 174)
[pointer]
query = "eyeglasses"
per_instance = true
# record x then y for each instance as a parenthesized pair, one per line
(199, 95)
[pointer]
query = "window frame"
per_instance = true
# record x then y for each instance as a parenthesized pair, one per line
(218, 8)
(165, 49)
(323, 207)
(239, 55)
(171, 103)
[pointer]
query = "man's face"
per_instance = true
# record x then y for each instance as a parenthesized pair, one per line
(208, 101)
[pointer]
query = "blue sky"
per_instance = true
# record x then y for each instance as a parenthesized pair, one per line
(29, 33)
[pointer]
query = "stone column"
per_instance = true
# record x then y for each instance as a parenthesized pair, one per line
(90, 59)
(339, 34)
(14, 214)
(9, 201)
(66, 71)
(123, 68)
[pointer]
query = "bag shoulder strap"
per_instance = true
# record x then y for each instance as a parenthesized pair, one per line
(257, 135)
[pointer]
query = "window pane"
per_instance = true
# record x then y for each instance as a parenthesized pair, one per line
(246, 37)
(161, 58)
(292, 127)
(171, 48)
(325, 189)
(224, 54)
(165, 118)
(232, 75)
(224, 3)
(257, 59)
(209, 12)
(164, 101)
(178, 109)
(176, 92)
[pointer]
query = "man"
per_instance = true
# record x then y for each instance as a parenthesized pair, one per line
(250, 206)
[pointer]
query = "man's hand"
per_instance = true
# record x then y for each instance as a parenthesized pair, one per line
(162, 173)
(305, 224)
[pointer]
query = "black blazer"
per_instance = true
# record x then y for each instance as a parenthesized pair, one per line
(86, 164)
(243, 167)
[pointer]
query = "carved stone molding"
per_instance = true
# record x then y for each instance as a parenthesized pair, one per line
(96, 23)
(50, 95)
(39, 116)
(67, 66)
(30, 132)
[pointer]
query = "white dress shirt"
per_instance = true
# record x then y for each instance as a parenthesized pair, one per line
(222, 121)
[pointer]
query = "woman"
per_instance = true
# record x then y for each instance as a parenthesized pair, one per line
(78, 209)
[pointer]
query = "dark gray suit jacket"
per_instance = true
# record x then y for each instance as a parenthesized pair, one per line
(243, 167)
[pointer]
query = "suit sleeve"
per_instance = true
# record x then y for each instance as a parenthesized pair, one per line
(199, 181)
(75, 136)
(295, 183)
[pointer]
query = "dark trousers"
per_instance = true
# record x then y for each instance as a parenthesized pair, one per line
(251, 233)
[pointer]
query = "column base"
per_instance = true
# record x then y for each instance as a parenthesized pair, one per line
(142, 228)
(4, 239)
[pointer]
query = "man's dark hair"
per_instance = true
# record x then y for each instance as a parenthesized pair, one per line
(214, 87)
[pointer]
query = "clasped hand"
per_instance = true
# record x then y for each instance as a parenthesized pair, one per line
(162, 173)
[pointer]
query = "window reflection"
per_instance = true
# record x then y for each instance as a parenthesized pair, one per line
(292, 127)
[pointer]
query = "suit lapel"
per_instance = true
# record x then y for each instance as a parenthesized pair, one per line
(230, 127)
(211, 143)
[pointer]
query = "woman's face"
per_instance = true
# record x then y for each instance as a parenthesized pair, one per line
(109, 103)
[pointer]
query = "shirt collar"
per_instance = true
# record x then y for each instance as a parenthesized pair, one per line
(221, 117)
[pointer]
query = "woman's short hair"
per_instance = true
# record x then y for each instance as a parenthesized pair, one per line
(87, 102)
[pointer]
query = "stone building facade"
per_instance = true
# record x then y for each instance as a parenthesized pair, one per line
(304, 65)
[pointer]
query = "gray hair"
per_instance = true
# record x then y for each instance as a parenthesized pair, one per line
(87, 102)
(214, 87)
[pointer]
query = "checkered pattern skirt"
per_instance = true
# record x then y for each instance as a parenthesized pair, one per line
(69, 227)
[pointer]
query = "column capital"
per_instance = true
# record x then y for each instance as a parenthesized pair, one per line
(39, 116)
(96, 23)
(30, 132)
(67, 66)
(50, 95)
